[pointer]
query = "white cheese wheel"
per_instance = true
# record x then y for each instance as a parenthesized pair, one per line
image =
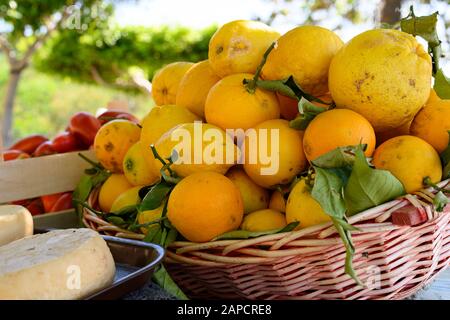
(16, 222)
(61, 264)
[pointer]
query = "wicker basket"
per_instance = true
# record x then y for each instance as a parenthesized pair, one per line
(392, 261)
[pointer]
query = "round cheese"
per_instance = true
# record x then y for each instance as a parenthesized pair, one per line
(16, 222)
(61, 264)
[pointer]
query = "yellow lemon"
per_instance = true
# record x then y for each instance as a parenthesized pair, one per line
(410, 160)
(137, 169)
(111, 189)
(166, 81)
(112, 142)
(384, 75)
(277, 201)
(263, 220)
(432, 123)
(197, 147)
(305, 53)
(274, 153)
(302, 207)
(149, 216)
(160, 120)
(128, 198)
(194, 87)
(254, 197)
(205, 205)
(230, 105)
(238, 46)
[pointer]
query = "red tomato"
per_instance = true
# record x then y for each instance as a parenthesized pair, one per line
(116, 114)
(35, 207)
(49, 200)
(29, 144)
(44, 149)
(65, 142)
(84, 126)
(64, 202)
(14, 155)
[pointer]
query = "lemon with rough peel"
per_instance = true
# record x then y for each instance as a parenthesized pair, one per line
(283, 148)
(115, 185)
(432, 123)
(254, 196)
(166, 81)
(137, 169)
(384, 75)
(194, 87)
(205, 205)
(264, 220)
(196, 147)
(302, 207)
(160, 120)
(337, 128)
(112, 142)
(410, 159)
(305, 53)
(149, 216)
(230, 105)
(238, 46)
(277, 201)
(127, 198)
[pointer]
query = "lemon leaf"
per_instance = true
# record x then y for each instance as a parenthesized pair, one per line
(163, 279)
(442, 85)
(245, 234)
(445, 156)
(308, 112)
(337, 158)
(368, 187)
(327, 191)
(440, 200)
(155, 196)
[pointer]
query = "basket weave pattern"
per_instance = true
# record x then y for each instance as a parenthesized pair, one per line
(392, 261)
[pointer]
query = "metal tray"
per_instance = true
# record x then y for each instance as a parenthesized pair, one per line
(135, 263)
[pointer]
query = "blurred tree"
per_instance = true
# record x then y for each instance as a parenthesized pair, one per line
(27, 25)
(390, 11)
(123, 58)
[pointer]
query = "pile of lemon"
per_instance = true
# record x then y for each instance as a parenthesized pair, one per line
(380, 82)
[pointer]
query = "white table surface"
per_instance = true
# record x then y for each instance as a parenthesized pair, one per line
(439, 289)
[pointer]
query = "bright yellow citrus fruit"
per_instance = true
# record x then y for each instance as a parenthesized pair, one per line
(384, 75)
(283, 148)
(238, 46)
(160, 120)
(230, 106)
(305, 53)
(149, 216)
(263, 220)
(137, 169)
(112, 142)
(277, 201)
(194, 87)
(410, 160)
(205, 205)
(198, 147)
(254, 197)
(337, 128)
(111, 189)
(166, 81)
(432, 123)
(127, 198)
(302, 207)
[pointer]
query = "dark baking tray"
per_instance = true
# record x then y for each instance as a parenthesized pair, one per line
(135, 263)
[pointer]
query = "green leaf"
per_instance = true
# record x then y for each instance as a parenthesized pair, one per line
(154, 198)
(327, 191)
(244, 234)
(445, 157)
(308, 112)
(126, 211)
(440, 201)
(337, 158)
(367, 187)
(442, 85)
(118, 221)
(171, 237)
(163, 279)
(154, 235)
(81, 193)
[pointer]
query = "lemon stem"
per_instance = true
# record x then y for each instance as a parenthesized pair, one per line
(427, 182)
(172, 177)
(252, 84)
